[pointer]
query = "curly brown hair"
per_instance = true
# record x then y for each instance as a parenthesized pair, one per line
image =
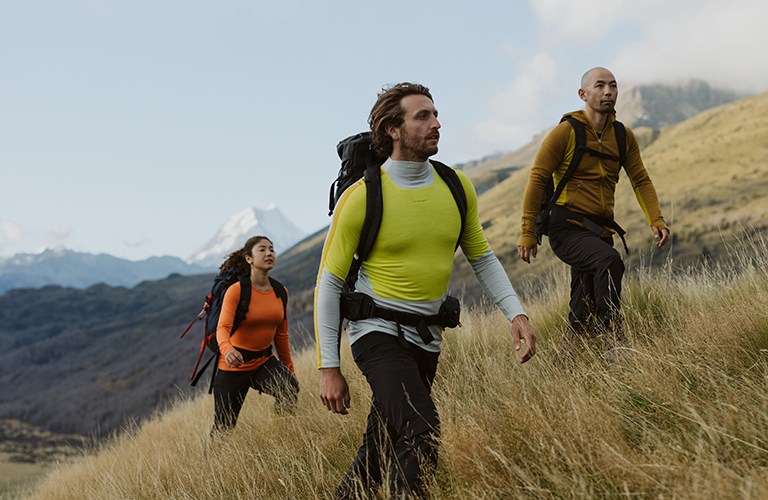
(387, 111)
(237, 258)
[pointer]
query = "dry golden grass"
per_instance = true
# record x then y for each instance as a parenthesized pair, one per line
(685, 415)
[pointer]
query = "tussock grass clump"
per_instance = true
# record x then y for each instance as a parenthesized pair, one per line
(683, 415)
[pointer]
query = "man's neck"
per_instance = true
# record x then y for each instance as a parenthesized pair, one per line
(598, 120)
(396, 156)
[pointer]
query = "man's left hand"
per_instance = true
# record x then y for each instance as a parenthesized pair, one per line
(522, 331)
(661, 235)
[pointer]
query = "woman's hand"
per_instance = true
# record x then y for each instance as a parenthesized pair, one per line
(233, 358)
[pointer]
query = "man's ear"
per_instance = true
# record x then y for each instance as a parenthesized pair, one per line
(582, 95)
(393, 132)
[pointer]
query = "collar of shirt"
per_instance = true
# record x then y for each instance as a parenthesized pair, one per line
(409, 174)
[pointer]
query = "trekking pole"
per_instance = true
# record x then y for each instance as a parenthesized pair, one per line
(205, 308)
(199, 317)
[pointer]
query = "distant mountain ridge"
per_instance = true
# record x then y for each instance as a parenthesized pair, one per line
(69, 268)
(658, 106)
(80, 270)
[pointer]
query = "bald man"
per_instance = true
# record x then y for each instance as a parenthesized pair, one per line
(581, 227)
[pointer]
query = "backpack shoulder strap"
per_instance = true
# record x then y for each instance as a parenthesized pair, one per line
(281, 293)
(245, 301)
(451, 178)
(621, 140)
(580, 146)
(374, 207)
(371, 224)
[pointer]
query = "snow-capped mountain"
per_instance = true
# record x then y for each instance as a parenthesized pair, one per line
(269, 222)
(80, 270)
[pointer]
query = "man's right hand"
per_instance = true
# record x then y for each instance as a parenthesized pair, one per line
(334, 391)
(526, 253)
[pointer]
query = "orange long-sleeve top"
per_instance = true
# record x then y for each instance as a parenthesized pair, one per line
(264, 324)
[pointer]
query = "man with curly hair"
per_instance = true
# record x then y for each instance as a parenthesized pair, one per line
(407, 272)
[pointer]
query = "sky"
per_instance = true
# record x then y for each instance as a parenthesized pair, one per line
(137, 127)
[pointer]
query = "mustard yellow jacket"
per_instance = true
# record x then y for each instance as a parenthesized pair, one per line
(592, 186)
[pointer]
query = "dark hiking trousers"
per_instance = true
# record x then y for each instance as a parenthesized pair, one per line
(230, 388)
(596, 274)
(401, 436)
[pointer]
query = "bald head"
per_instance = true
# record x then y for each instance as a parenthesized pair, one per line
(596, 73)
(599, 92)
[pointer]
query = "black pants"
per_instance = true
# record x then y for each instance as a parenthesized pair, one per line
(230, 388)
(403, 427)
(596, 274)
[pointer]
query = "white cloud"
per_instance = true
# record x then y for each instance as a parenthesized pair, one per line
(511, 109)
(662, 41)
(583, 21)
(15, 238)
(10, 232)
(58, 235)
(714, 42)
(641, 42)
(11, 235)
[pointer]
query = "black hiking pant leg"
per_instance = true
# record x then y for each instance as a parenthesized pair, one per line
(581, 311)
(401, 436)
(365, 473)
(596, 274)
(275, 379)
(229, 391)
(231, 387)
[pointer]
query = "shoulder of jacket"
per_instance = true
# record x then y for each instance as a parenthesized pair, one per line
(234, 289)
(578, 115)
(354, 194)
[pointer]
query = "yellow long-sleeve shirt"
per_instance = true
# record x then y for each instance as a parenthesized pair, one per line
(409, 267)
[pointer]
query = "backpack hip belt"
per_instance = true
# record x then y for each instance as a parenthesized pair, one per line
(247, 356)
(357, 305)
(251, 355)
(592, 223)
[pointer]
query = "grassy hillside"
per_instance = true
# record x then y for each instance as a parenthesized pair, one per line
(685, 415)
(87, 361)
(711, 173)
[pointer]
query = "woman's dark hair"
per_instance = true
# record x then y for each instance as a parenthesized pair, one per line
(237, 258)
(387, 111)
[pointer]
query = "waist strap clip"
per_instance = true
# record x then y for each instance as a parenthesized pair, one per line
(596, 228)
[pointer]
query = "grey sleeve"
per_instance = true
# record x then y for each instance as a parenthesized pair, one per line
(496, 284)
(327, 318)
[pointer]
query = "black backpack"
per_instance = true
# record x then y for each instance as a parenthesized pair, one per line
(358, 160)
(212, 309)
(549, 199)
